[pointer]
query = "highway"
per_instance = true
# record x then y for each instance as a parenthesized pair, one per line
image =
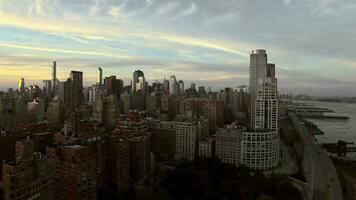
(318, 168)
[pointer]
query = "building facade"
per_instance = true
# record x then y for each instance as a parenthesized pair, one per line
(228, 145)
(260, 150)
(75, 172)
(29, 177)
(186, 140)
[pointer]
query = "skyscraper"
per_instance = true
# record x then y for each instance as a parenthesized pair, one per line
(263, 91)
(135, 80)
(77, 88)
(47, 88)
(114, 86)
(54, 78)
(166, 85)
(22, 85)
(260, 146)
(192, 86)
(173, 86)
(181, 88)
(140, 86)
(258, 71)
(100, 76)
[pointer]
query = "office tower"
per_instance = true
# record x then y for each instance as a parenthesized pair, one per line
(186, 140)
(29, 177)
(75, 171)
(181, 88)
(64, 96)
(173, 86)
(96, 92)
(47, 88)
(21, 87)
(100, 76)
(111, 110)
(114, 86)
(54, 78)
(166, 86)
(76, 89)
(201, 91)
(135, 80)
(89, 95)
(192, 86)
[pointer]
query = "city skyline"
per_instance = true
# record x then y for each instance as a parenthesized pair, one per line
(212, 41)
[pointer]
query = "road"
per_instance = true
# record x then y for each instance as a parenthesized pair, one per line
(318, 168)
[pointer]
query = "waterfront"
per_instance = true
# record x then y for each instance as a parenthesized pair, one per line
(336, 129)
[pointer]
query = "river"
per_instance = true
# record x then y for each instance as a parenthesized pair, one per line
(336, 129)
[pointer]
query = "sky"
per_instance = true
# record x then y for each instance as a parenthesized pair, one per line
(312, 42)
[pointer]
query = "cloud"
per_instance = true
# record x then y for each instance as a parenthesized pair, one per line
(189, 11)
(150, 2)
(313, 37)
(115, 12)
(66, 51)
(36, 8)
(94, 9)
(287, 2)
(169, 7)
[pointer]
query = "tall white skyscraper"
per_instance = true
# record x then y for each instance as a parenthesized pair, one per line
(263, 93)
(100, 76)
(258, 72)
(173, 86)
(261, 146)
